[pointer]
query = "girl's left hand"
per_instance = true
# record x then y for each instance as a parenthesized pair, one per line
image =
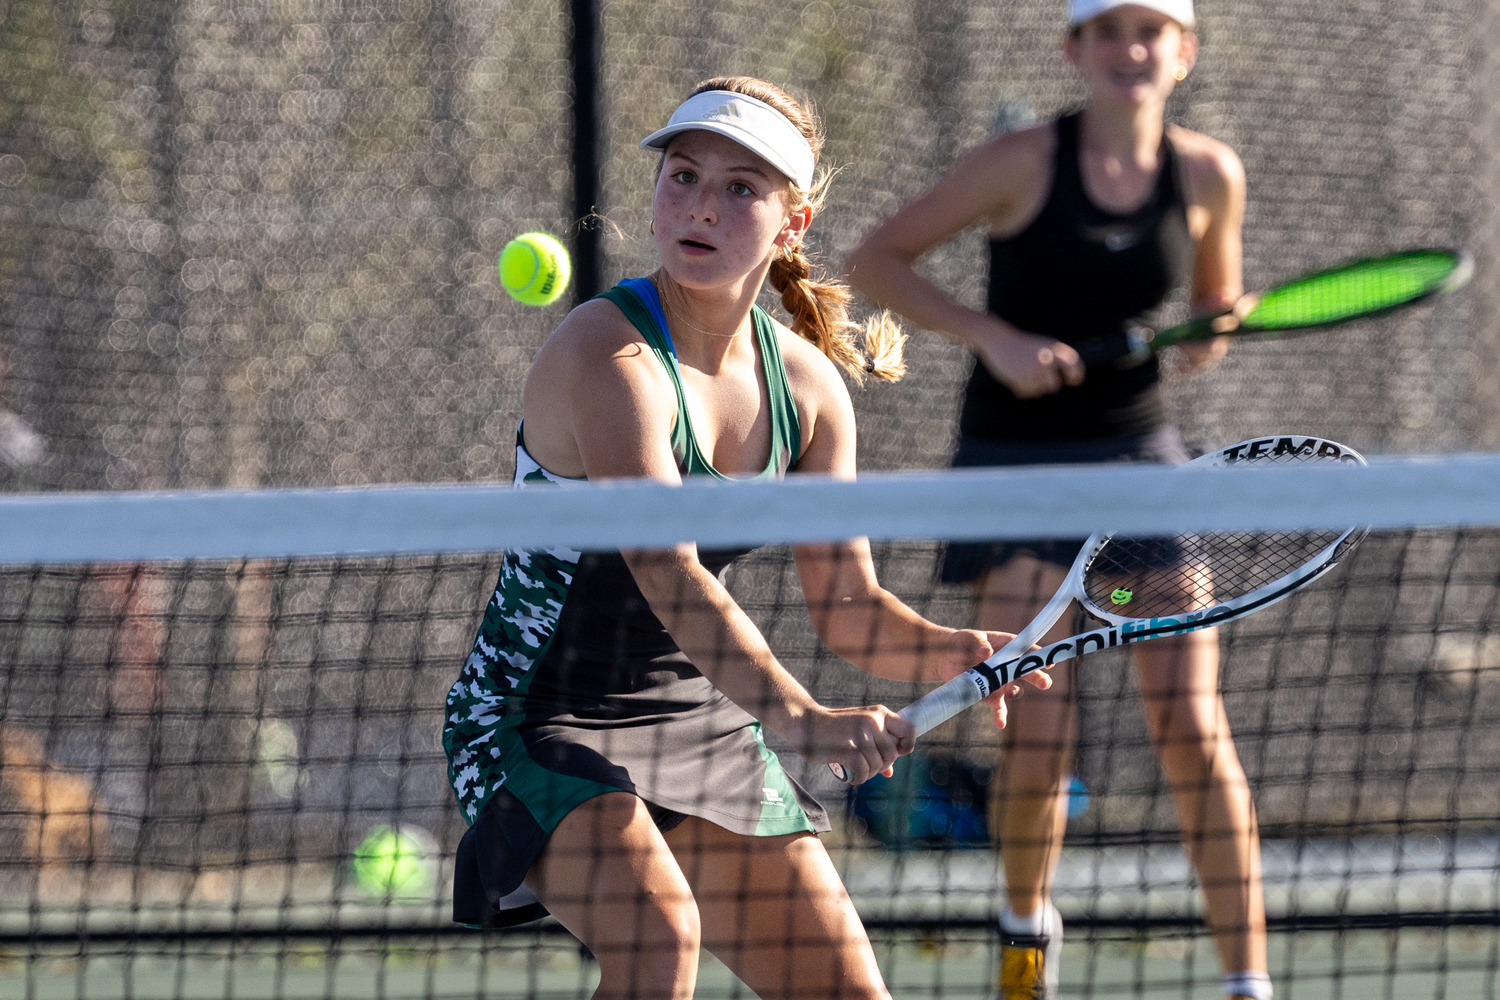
(967, 647)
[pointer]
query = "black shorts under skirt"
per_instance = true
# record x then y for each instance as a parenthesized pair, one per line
(481, 855)
(965, 562)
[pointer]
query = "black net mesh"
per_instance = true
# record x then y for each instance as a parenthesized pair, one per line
(198, 757)
(252, 243)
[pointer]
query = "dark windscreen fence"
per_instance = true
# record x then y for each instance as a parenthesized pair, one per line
(252, 243)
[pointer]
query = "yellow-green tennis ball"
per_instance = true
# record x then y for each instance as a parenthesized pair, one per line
(534, 268)
(396, 862)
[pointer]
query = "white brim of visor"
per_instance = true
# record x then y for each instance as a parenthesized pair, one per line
(1180, 11)
(753, 124)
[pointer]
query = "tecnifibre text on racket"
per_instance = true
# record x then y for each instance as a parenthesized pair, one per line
(1354, 290)
(1148, 587)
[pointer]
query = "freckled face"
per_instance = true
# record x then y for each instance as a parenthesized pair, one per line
(719, 210)
(1128, 54)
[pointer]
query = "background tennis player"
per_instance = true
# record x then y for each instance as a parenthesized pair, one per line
(1094, 219)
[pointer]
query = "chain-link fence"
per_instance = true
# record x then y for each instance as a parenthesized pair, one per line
(251, 244)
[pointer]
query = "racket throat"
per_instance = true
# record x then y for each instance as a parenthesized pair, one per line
(1086, 642)
(990, 679)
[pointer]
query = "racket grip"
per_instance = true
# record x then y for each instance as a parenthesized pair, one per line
(1133, 342)
(943, 703)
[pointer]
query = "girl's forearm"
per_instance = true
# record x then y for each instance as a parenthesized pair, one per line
(720, 639)
(882, 636)
(891, 281)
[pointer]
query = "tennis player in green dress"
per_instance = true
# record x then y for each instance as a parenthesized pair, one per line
(605, 737)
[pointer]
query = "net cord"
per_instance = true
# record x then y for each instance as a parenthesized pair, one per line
(1058, 501)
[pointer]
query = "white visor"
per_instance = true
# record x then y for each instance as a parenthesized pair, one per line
(753, 124)
(1180, 11)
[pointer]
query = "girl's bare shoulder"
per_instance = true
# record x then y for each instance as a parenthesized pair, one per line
(1213, 169)
(595, 345)
(1009, 175)
(811, 373)
(1015, 156)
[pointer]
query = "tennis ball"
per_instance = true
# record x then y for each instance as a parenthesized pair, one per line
(396, 861)
(534, 268)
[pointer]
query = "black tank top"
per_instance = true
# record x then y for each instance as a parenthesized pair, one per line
(1076, 273)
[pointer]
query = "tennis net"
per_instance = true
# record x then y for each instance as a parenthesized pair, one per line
(216, 708)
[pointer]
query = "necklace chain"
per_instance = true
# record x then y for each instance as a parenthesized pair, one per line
(673, 313)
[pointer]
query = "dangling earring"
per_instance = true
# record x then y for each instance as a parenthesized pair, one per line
(1180, 73)
(652, 227)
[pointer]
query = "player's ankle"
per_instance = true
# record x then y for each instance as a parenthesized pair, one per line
(1250, 985)
(1033, 924)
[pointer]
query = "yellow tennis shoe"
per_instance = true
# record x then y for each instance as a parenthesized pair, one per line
(1029, 963)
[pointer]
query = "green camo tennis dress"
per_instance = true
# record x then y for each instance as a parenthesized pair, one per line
(574, 688)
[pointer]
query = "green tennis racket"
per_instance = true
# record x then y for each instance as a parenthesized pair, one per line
(1356, 290)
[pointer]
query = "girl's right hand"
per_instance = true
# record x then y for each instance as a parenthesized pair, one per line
(1029, 364)
(863, 741)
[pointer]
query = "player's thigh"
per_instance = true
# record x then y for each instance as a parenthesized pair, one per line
(609, 877)
(774, 910)
(1179, 679)
(1011, 594)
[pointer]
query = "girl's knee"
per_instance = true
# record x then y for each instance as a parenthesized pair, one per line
(683, 922)
(668, 923)
(1043, 780)
(661, 948)
(1185, 718)
(1186, 732)
(1199, 754)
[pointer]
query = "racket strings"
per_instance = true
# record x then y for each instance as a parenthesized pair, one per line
(1356, 290)
(1162, 577)
(1169, 576)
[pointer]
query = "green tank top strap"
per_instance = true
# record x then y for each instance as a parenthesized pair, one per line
(638, 300)
(786, 429)
(683, 446)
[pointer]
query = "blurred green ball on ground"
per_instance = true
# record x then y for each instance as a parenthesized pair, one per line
(397, 861)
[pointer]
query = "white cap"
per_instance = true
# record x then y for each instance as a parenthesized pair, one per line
(1180, 11)
(753, 124)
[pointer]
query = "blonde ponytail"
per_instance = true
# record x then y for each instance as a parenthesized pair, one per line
(820, 315)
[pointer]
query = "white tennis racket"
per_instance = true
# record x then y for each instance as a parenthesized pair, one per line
(1146, 588)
